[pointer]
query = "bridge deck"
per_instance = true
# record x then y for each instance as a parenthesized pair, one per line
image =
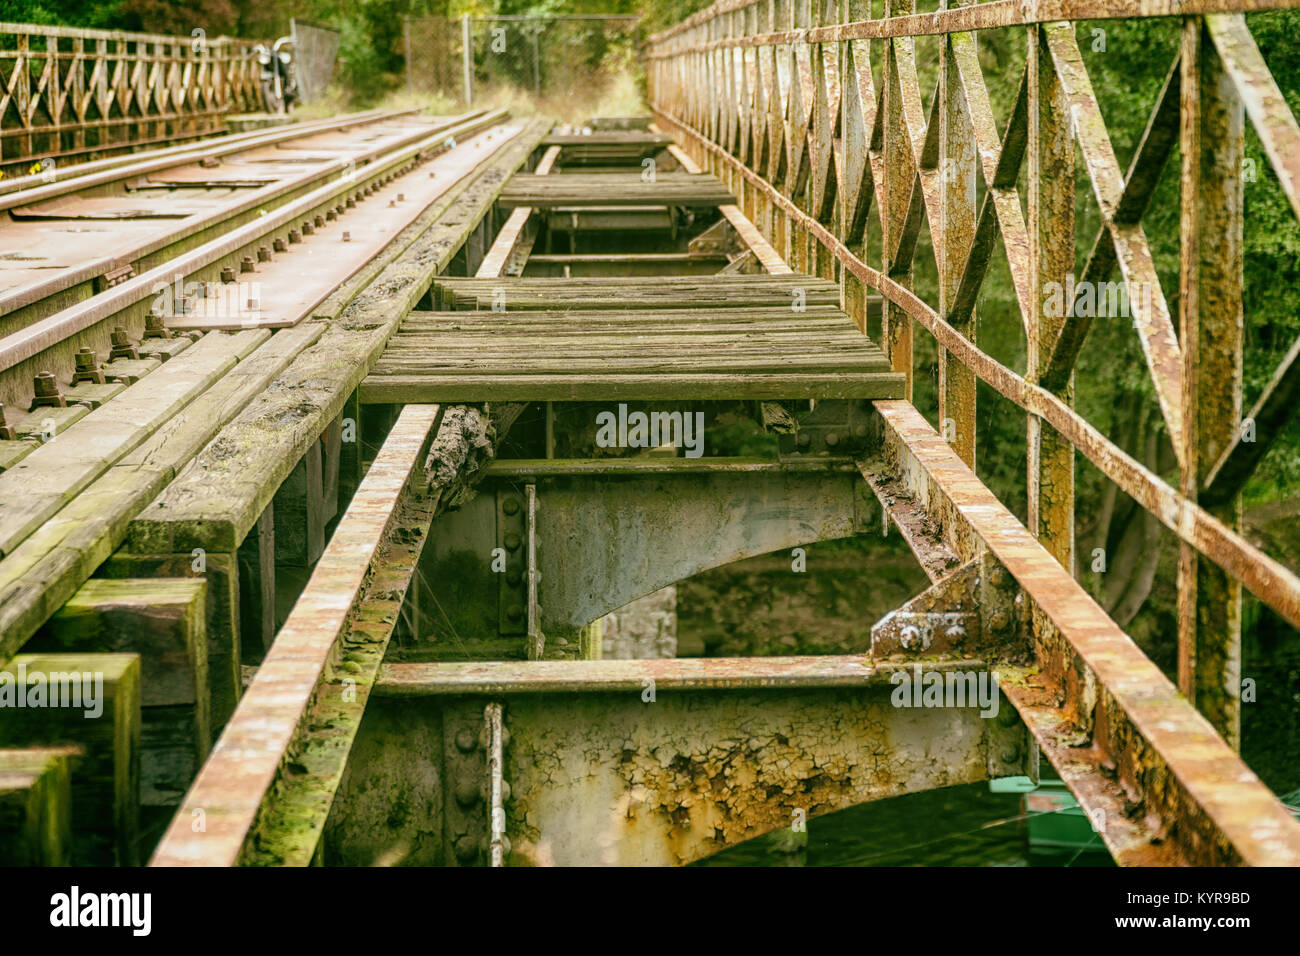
(698, 190)
(619, 339)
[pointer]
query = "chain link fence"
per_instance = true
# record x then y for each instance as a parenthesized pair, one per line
(316, 50)
(548, 57)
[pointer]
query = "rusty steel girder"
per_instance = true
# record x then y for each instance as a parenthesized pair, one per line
(646, 762)
(1167, 787)
(608, 531)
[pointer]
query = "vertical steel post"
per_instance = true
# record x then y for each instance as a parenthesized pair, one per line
(1210, 337)
(1051, 242)
(957, 163)
(900, 172)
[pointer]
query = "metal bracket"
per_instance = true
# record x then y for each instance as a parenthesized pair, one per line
(114, 277)
(943, 619)
(865, 506)
(831, 427)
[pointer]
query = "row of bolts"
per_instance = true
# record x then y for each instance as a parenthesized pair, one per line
(87, 367)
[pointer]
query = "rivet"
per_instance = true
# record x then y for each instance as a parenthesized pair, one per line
(467, 794)
(510, 506)
(466, 848)
(465, 741)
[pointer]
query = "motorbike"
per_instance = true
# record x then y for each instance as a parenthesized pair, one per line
(279, 78)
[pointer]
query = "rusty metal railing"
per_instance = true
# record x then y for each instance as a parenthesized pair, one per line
(66, 91)
(813, 110)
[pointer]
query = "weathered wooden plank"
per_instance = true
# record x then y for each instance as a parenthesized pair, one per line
(300, 512)
(163, 621)
(397, 389)
(305, 660)
(47, 568)
(612, 189)
(44, 481)
(35, 806)
(608, 138)
(91, 701)
(508, 239)
(214, 502)
(12, 452)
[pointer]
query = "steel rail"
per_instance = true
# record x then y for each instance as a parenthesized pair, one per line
(27, 295)
(1264, 577)
(212, 146)
(57, 328)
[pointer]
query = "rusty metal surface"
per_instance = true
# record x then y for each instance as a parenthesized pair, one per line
(612, 530)
(350, 156)
(1211, 335)
(230, 789)
(980, 16)
(137, 292)
(1094, 690)
(1052, 122)
(1151, 319)
(652, 762)
(76, 91)
(1266, 578)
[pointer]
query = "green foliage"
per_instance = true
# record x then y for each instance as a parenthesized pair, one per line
(102, 14)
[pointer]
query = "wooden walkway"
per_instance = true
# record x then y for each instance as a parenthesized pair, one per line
(734, 337)
(695, 190)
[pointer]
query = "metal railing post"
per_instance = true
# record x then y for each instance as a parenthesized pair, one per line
(467, 55)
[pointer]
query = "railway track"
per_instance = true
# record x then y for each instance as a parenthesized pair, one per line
(182, 262)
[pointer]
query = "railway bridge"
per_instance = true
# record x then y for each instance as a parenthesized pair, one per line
(324, 451)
